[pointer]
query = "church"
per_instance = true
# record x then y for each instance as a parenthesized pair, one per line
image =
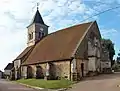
(71, 53)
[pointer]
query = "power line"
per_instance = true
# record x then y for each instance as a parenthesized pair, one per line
(101, 13)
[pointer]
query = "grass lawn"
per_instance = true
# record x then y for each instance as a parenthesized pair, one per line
(52, 84)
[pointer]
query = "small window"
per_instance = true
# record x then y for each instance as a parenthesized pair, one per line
(39, 34)
(31, 36)
(42, 34)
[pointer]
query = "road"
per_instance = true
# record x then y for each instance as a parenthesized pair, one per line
(11, 86)
(108, 82)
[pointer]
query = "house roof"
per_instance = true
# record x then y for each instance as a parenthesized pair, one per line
(59, 45)
(9, 66)
(25, 51)
(0, 71)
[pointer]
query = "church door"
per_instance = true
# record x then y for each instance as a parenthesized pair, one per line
(82, 69)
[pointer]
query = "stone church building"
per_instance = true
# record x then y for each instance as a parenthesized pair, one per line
(70, 53)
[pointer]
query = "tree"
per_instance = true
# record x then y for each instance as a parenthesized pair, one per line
(109, 45)
(118, 58)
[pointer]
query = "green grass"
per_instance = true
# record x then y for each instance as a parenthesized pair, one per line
(52, 84)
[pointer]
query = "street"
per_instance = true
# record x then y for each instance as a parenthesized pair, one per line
(11, 86)
(106, 82)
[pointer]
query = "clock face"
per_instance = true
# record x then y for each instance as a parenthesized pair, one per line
(41, 29)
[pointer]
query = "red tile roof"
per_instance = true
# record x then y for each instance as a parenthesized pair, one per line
(58, 45)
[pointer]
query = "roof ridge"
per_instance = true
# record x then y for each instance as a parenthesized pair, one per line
(70, 27)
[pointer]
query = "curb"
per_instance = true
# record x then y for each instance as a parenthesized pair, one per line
(38, 88)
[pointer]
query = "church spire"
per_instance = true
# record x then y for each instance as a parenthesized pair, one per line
(37, 17)
(37, 29)
(37, 6)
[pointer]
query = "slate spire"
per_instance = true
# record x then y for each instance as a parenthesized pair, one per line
(37, 17)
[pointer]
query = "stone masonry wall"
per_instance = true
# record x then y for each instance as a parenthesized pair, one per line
(63, 69)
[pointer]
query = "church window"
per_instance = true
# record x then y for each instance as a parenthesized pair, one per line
(31, 36)
(42, 34)
(39, 34)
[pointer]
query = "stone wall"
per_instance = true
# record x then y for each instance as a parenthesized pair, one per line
(24, 72)
(79, 71)
(82, 50)
(17, 64)
(31, 30)
(61, 69)
(35, 29)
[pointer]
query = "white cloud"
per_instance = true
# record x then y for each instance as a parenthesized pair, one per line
(108, 32)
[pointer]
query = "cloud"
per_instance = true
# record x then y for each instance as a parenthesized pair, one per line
(108, 32)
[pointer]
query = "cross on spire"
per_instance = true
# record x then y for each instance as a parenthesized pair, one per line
(37, 6)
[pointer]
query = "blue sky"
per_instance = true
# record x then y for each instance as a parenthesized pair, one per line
(15, 16)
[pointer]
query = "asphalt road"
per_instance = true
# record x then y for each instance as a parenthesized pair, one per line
(108, 82)
(11, 86)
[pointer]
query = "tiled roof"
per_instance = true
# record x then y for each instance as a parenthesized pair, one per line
(9, 66)
(58, 45)
(24, 52)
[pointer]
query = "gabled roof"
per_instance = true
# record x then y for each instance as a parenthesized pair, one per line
(59, 45)
(9, 66)
(1, 71)
(24, 52)
(37, 18)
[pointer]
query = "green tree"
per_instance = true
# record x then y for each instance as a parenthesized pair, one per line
(118, 58)
(109, 45)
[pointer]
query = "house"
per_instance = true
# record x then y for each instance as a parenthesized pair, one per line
(7, 70)
(1, 74)
(70, 53)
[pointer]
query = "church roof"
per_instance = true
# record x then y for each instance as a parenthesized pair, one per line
(59, 45)
(25, 51)
(37, 18)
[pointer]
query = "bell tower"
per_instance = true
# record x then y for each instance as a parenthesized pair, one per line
(37, 29)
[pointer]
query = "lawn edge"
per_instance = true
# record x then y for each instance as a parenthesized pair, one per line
(34, 87)
(39, 88)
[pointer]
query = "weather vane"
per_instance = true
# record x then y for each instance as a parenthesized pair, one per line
(37, 6)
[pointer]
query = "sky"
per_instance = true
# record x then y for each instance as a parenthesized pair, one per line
(16, 15)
